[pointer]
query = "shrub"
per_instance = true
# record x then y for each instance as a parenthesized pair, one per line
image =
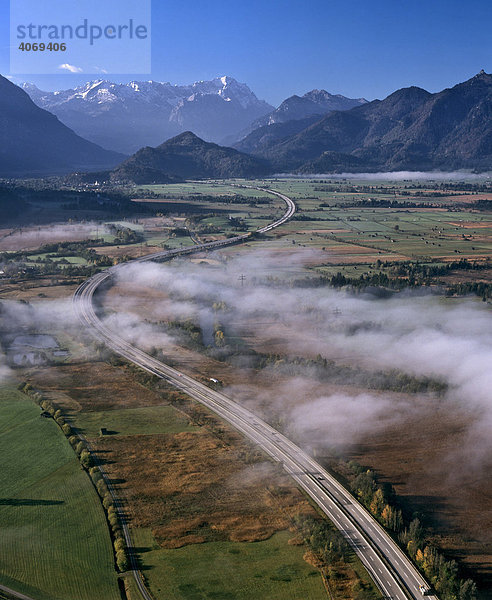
(46, 405)
(86, 459)
(37, 397)
(122, 560)
(95, 474)
(102, 488)
(107, 500)
(119, 544)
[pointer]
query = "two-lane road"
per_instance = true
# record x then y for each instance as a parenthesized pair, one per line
(391, 570)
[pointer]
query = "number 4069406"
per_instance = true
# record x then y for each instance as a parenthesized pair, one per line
(41, 47)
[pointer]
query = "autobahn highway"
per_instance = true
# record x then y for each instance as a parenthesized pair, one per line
(391, 570)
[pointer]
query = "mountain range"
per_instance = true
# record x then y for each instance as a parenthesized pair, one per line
(411, 129)
(33, 142)
(126, 117)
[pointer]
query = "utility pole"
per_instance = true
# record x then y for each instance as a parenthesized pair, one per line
(242, 278)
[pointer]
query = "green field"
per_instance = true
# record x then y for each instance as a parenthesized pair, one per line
(148, 420)
(352, 233)
(73, 260)
(271, 570)
(207, 188)
(54, 541)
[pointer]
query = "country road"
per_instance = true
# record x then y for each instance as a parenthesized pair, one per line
(10, 594)
(391, 570)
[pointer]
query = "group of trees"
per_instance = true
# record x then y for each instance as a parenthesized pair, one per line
(322, 538)
(330, 371)
(119, 543)
(426, 271)
(443, 574)
(189, 333)
(477, 288)
(377, 498)
(380, 500)
(124, 235)
(330, 551)
(407, 275)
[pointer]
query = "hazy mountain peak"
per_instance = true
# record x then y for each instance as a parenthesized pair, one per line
(412, 92)
(184, 139)
(187, 156)
(28, 86)
(322, 96)
(298, 108)
(482, 73)
(482, 76)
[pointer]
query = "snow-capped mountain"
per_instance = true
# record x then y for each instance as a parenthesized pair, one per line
(126, 117)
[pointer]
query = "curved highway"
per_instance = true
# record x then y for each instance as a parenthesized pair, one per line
(391, 570)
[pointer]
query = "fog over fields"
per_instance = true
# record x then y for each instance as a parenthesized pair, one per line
(421, 335)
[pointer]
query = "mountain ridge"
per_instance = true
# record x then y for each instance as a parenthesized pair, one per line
(296, 108)
(186, 156)
(33, 142)
(411, 129)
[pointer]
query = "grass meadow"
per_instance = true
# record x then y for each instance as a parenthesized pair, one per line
(54, 541)
(270, 569)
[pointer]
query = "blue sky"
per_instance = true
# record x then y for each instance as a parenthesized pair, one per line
(357, 48)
